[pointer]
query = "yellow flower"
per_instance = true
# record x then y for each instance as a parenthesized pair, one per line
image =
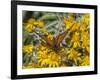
(28, 48)
(43, 58)
(44, 30)
(76, 44)
(42, 48)
(85, 35)
(50, 36)
(75, 39)
(88, 49)
(48, 57)
(68, 22)
(35, 23)
(32, 23)
(87, 18)
(85, 61)
(29, 28)
(29, 25)
(40, 23)
(85, 43)
(54, 60)
(83, 26)
(85, 40)
(74, 55)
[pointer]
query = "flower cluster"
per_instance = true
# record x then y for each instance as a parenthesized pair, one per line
(48, 58)
(32, 23)
(79, 39)
(74, 49)
(27, 49)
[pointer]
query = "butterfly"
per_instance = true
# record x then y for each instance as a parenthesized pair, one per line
(55, 43)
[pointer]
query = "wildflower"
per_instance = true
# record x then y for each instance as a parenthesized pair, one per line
(87, 18)
(85, 35)
(73, 50)
(29, 28)
(71, 22)
(88, 49)
(40, 24)
(29, 25)
(50, 36)
(43, 57)
(74, 55)
(32, 23)
(83, 26)
(85, 43)
(35, 23)
(48, 57)
(68, 22)
(28, 48)
(85, 40)
(85, 61)
(76, 39)
(54, 60)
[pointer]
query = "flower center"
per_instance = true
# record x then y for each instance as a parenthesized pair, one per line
(44, 56)
(54, 58)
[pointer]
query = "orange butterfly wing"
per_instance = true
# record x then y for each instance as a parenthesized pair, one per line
(48, 41)
(61, 36)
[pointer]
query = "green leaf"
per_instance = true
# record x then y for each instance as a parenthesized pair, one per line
(49, 16)
(28, 40)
